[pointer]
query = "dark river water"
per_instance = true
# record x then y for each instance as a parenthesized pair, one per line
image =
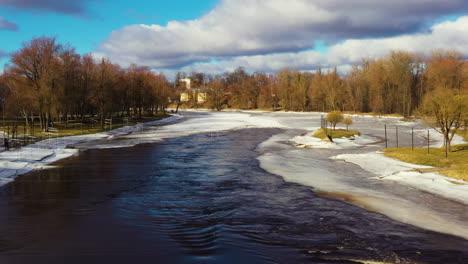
(196, 199)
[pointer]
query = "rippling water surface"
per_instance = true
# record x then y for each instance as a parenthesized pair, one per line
(196, 199)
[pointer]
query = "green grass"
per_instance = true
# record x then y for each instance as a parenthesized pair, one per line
(455, 166)
(339, 133)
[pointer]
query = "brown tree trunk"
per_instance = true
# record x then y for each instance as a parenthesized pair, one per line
(41, 121)
(26, 119)
(102, 118)
(447, 145)
(177, 108)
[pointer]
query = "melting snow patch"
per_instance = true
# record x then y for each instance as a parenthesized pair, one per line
(309, 141)
(404, 173)
(433, 183)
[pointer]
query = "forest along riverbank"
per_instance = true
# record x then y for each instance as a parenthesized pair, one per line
(313, 167)
(199, 198)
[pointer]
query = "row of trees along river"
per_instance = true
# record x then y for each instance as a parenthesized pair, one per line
(397, 83)
(50, 80)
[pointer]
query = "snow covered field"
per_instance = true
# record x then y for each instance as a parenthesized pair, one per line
(371, 181)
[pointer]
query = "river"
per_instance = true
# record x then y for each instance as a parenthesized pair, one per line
(206, 197)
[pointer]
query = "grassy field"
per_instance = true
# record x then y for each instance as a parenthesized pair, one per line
(339, 133)
(73, 128)
(455, 166)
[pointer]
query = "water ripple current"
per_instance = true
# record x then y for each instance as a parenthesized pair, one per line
(196, 199)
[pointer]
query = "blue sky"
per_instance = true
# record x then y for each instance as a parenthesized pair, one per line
(220, 35)
(86, 31)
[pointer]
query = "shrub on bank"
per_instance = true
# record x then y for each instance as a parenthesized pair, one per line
(339, 133)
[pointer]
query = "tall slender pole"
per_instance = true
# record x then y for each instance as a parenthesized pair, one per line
(446, 147)
(386, 141)
(428, 142)
(3, 113)
(396, 136)
(412, 138)
(32, 126)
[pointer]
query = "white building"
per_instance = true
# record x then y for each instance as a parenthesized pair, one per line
(187, 82)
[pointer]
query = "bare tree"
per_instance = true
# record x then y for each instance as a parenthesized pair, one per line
(37, 62)
(216, 95)
(445, 112)
(106, 77)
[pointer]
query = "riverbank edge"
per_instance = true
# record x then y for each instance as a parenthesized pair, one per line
(409, 174)
(42, 153)
(422, 177)
(351, 114)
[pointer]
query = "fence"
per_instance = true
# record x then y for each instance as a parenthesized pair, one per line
(20, 133)
(399, 130)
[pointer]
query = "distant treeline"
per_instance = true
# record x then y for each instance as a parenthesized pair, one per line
(51, 81)
(396, 83)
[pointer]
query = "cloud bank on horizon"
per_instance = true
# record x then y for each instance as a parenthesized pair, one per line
(269, 35)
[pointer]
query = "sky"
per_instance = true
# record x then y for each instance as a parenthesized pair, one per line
(215, 36)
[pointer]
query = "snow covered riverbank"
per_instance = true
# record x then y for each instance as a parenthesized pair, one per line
(437, 204)
(287, 154)
(309, 141)
(353, 184)
(389, 169)
(40, 154)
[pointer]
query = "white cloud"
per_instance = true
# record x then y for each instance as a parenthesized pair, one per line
(255, 32)
(305, 60)
(445, 35)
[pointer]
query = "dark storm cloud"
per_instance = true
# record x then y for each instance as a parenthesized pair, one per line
(7, 25)
(70, 7)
